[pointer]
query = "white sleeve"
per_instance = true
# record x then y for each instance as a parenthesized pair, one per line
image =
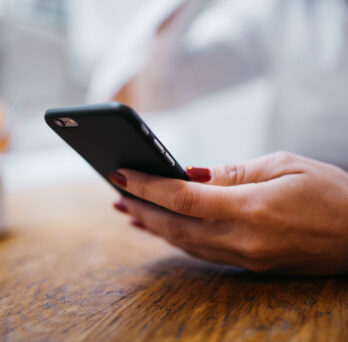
(213, 45)
(130, 50)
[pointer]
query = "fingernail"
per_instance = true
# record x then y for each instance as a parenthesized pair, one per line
(119, 179)
(121, 207)
(137, 223)
(197, 174)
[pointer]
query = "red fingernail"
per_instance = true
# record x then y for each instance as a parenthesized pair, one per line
(197, 174)
(137, 223)
(118, 179)
(121, 207)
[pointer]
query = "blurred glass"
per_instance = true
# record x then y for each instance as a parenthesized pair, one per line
(35, 74)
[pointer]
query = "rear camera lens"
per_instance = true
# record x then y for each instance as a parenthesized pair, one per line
(59, 123)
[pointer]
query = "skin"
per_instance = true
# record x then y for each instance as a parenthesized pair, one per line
(280, 213)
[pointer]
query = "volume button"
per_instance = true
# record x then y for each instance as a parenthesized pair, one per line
(159, 145)
(170, 159)
(145, 129)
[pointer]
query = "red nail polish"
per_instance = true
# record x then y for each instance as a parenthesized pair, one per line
(118, 179)
(137, 223)
(197, 174)
(121, 207)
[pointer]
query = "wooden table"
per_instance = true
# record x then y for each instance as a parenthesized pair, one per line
(73, 270)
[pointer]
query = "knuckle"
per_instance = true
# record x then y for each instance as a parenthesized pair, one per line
(254, 249)
(176, 231)
(257, 211)
(185, 200)
(284, 158)
(236, 174)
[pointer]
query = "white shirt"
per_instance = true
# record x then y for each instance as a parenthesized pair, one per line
(299, 46)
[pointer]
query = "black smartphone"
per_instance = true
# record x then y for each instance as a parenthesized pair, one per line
(112, 136)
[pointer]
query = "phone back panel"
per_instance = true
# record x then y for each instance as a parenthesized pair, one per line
(112, 136)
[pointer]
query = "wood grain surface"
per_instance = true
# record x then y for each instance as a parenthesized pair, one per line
(72, 269)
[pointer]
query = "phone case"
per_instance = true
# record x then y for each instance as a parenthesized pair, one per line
(112, 136)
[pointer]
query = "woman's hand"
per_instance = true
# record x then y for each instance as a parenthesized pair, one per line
(280, 213)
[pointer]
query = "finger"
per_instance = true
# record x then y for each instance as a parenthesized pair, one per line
(187, 198)
(208, 240)
(192, 235)
(256, 170)
(231, 237)
(171, 226)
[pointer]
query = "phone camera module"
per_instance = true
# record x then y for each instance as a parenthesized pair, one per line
(65, 122)
(59, 123)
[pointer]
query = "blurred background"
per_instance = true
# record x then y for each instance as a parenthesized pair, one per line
(49, 51)
(35, 73)
(218, 81)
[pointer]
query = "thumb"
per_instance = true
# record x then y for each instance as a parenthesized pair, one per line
(256, 170)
